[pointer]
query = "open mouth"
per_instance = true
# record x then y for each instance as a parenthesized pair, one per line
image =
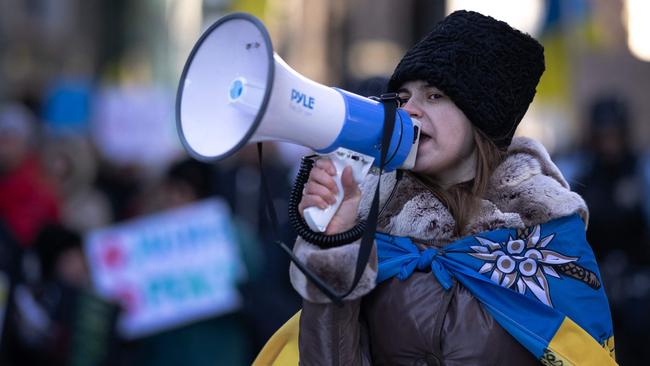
(424, 137)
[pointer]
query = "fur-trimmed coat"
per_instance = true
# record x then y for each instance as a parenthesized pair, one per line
(416, 322)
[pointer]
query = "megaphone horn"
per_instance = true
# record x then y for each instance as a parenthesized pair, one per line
(235, 90)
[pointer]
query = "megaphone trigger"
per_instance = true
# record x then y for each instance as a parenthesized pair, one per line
(316, 218)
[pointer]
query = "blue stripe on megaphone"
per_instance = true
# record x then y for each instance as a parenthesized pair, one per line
(363, 127)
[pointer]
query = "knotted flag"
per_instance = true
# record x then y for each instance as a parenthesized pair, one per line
(541, 284)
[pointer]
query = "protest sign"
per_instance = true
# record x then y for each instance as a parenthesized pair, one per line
(168, 269)
(147, 113)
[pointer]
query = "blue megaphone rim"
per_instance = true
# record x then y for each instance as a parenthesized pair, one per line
(267, 93)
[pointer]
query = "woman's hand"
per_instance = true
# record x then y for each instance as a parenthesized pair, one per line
(320, 191)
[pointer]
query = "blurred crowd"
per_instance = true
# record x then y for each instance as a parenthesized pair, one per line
(56, 187)
(87, 141)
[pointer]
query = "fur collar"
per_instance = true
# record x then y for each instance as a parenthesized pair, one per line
(526, 189)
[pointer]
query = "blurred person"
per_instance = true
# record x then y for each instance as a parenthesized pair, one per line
(122, 186)
(42, 323)
(121, 179)
(27, 199)
(239, 178)
(61, 256)
(10, 254)
(612, 183)
(239, 183)
(450, 280)
(220, 340)
(71, 165)
(610, 176)
(185, 181)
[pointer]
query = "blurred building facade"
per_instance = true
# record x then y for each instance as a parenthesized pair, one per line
(333, 42)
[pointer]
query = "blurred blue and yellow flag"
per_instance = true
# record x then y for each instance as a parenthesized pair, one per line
(541, 284)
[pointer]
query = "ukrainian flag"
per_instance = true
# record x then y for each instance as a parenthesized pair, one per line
(541, 284)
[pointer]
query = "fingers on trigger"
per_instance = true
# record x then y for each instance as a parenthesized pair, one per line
(326, 165)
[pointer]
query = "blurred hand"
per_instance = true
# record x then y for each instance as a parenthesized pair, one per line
(320, 191)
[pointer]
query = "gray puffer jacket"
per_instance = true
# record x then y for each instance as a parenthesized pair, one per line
(416, 321)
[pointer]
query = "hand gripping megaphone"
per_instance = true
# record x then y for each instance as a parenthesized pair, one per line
(235, 90)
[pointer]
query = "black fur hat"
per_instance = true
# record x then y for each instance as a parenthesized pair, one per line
(488, 69)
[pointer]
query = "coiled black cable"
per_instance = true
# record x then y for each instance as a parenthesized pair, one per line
(299, 224)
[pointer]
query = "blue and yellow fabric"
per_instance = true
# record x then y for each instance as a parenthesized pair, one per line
(282, 348)
(541, 284)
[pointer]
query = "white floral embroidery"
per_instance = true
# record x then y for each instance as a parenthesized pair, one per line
(521, 263)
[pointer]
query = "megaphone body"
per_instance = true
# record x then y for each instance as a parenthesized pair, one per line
(235, 90)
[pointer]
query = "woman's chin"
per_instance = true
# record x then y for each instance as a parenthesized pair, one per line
(423, 160)
(421, 166)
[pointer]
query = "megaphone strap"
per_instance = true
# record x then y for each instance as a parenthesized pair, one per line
(390, 102)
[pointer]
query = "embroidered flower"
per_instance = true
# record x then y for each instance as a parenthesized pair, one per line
(521, 263)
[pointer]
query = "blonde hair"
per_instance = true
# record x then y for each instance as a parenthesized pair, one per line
(462, 199)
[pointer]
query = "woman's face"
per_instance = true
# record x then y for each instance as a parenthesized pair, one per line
(447, 149)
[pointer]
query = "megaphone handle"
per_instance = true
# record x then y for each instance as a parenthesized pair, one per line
(317, 219)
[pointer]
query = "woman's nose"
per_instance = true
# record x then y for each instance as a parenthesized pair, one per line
(412, 109)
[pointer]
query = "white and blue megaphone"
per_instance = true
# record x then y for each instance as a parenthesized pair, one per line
(235, 90)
